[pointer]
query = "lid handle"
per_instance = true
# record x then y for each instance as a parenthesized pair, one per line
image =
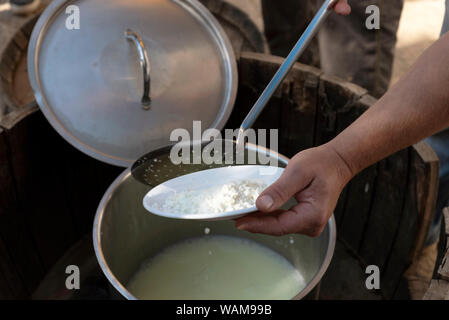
(145, 63)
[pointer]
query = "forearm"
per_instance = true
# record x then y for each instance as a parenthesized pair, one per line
(415, 108)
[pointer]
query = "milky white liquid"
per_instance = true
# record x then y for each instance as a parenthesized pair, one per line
(217, 267)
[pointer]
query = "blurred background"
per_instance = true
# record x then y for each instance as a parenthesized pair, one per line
(419, 27)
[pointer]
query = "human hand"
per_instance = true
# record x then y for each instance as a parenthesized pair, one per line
(342, 7)
(315, 178)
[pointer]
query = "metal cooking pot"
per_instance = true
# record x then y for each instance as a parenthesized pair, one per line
(87, 82)
(125, 234)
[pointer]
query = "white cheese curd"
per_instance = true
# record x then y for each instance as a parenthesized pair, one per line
(232, 196)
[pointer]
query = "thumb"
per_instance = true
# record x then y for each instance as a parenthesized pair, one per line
(292, 181)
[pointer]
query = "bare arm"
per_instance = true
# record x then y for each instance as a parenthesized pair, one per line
(416, 107)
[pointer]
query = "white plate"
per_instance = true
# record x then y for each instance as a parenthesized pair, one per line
(209, 179)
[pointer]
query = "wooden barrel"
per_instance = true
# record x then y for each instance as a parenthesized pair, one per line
(385, 211)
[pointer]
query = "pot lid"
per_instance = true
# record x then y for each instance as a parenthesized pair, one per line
(116, 77)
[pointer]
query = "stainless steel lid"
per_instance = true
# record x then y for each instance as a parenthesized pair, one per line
(133, 71)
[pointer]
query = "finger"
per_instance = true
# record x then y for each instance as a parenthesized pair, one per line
(303, 218)
(342, 7)
(292, 181)
(266, 223)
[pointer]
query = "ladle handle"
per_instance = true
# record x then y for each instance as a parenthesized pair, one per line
(145, 63)
(293, 56)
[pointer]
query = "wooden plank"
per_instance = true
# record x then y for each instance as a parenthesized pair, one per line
(256, 70)
(400, 257)
(427, 169)
(353, 205)
(402, 291)
(357, 208)
(10, 23)
(28, 27)
(446, 220)
(252, 72)
(239, 20)
(93, 283)
(15, 31)
(244, 100)
(13, 52)
(443, 269)
(298, 108)
(5, 292)
(35, 151)
(292, 108)
(299, 105)
(21, 40)
(3, 109)
(15, 235)
(354, 202)
(11, 285)
(292, 101)
(439, 287)
(335, 95)
(8, 61)
(5, 73)
(7, 194)
(271, 118)
(83, 197)
(386, 211)
(14, 57)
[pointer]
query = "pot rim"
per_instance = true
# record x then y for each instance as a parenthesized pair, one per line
(331, 226)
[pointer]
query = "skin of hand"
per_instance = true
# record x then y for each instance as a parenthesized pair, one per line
(414, 108)
(342, 7)
(315, 178)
